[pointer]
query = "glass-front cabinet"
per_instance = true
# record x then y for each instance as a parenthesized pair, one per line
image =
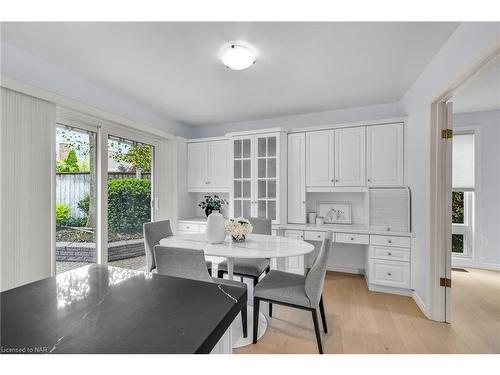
(258, 174)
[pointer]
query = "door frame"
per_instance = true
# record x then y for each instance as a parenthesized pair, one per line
(438, 187)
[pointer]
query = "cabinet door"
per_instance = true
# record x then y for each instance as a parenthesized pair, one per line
(296, 178)
(385, 155)
(319, 158)
(350, 165)
(266, 177)
(218, 166)
(295, 264)
(242, 178)
(197, 165)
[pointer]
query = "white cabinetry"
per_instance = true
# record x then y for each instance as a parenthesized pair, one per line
(296, 178)
(385, 155)
(320, 158)
(350, 167)
(208, 166)
(259, 176)
(295, 264)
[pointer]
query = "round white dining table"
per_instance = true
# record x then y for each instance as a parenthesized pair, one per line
(255, 246)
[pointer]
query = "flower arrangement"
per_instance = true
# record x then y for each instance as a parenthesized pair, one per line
(210, 203)
(238, 228)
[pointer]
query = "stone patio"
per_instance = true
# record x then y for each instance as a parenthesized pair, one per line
(135, 263)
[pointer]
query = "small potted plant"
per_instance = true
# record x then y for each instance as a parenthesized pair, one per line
(210, 204)
(238, 228)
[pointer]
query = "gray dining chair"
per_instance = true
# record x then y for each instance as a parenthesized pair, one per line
(153, 232)
(190, 264)
(302, 292)
(250, 268)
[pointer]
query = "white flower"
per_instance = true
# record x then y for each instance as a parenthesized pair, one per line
(238, 227)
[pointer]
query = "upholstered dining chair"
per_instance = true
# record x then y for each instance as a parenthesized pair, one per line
(250, 268)
(153, 232)
(190, 264)
(302, 292)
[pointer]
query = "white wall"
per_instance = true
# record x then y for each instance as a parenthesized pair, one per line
(27, 68)
(372, 112)
(487, 233)
(467, 42)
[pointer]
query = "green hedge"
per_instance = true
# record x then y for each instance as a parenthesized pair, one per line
(129, 204)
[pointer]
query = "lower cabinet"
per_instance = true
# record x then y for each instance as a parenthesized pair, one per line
(295, 264)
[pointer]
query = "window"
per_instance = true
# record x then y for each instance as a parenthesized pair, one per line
(462, 214)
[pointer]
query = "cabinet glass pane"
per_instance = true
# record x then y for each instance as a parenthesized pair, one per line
(271, 167)
(237, 169)
(237, 189)
(237, 149)
(262, 209)
(262, 188)
(262, 147)
(237, 208)
(271, 146)
(246, 148)
(457, 243)
(271, 208)
(261, 168)
(271, 189)
(246, 189)
(246, 209)
(247, 172)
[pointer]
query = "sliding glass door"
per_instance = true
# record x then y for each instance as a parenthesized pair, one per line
(76, 197)
(130, 192)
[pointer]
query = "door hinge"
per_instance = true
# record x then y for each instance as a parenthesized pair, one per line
(447, 133)
(444, 281)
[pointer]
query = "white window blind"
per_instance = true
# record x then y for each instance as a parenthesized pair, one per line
(463, 161)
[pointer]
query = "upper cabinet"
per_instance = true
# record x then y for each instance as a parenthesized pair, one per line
(350, 157)
(207, 164)
(385, 155)
(259, 176)
(320, 158)
(296, 178)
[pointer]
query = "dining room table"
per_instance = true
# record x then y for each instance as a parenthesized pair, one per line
(254, 246)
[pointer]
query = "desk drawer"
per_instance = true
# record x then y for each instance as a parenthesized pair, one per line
(188, 227)
(390, 253)
(390, 273)
(314, 236)
(390, 241)
(362, 239)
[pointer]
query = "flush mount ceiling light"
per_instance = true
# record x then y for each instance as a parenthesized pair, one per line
(238, 57)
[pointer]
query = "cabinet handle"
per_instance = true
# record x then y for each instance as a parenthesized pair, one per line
(303, 202)
(336, 180)
(389, 274)
(352, 238)
(389, 241)
(331, 180)
(369, 180)
(389, 254)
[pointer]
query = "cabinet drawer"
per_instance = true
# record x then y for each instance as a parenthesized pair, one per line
(390, 241)
(390, 273)
(314, 236)
(202, 228)
(188, 227)
(362, 239)
(390, 253)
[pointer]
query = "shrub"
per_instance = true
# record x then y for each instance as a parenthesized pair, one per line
(70, 164)
(62, 213)
(84, 204)
(74, 222)
(129, 204)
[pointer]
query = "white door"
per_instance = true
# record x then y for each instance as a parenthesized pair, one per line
(266, 177)
(296, 178)
(319, 158)
(197, 155)
(242, 190)
(295, 264)
(350, 160)
(218, 166)
(385, 155)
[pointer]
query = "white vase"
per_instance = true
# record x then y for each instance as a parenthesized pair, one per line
(215, 232)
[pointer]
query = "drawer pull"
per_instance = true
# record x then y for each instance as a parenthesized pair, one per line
(389, 274)
(319, 236)
(352, 238)
(389, 241)
(389, 253)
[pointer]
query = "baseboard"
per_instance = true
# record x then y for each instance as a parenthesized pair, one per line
(390, 290)
(420, 303)
(354, 270)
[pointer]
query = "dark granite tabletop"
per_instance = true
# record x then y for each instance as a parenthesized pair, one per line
(103, 309)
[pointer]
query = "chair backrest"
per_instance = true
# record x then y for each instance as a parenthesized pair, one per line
(261, 226)
(186, 263)
(315, 279)
(153, 233)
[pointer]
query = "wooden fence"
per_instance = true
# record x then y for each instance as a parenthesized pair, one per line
(72, 187)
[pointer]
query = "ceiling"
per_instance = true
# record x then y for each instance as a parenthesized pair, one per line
(481, 92)
(301, 67)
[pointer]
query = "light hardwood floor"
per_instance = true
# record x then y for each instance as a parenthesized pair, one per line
(360, 321)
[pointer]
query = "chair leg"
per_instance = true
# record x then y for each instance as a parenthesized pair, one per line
(270, 309)
(316, 329)
(220, 274)
(323, 316)
(255, 281)
(256, 303)
(268, 269)
(244, 321)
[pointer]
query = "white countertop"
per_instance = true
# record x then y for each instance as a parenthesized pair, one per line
(339, 228)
